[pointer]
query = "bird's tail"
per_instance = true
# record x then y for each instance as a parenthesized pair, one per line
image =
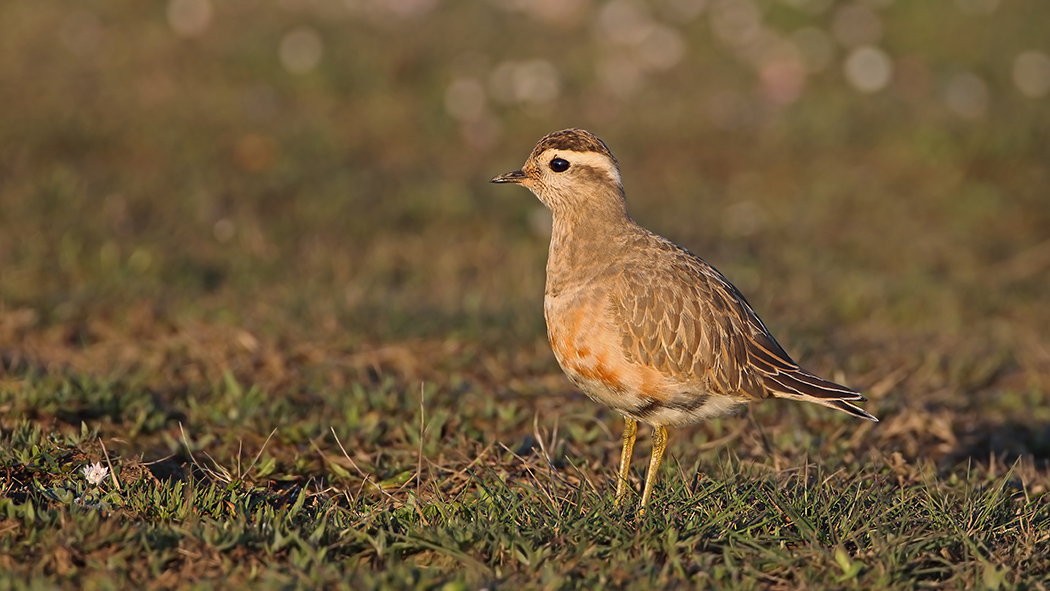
(802, 385)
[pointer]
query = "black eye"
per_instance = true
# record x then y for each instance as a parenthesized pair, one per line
(559, 165)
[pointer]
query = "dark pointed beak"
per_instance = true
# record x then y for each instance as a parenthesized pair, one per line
(514, 176)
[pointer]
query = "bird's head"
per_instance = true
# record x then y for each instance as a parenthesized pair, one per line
(570, 170)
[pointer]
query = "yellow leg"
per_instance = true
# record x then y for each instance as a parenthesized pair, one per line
(630, 431)
(659, 444)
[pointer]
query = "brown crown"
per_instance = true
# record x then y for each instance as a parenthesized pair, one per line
(577, 140)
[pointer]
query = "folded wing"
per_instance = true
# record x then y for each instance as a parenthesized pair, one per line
(685, 319)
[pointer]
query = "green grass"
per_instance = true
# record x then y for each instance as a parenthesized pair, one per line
(291, 314)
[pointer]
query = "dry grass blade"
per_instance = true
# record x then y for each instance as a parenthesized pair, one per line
(112, 472)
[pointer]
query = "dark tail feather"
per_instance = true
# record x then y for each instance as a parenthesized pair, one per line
(849, 408)
(807, 384)
(801, 385)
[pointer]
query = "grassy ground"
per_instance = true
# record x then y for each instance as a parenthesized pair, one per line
(250, 260)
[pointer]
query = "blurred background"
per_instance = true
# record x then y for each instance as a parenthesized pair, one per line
(298, 190)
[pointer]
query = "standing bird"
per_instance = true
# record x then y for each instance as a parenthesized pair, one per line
(640, 324)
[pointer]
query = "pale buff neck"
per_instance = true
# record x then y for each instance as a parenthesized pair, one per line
(585, 239)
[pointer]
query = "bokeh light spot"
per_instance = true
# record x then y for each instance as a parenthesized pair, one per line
(626, 22)
(736, 22)
(189, 18)
(783, 80)
(868, 69)
(531, 81)
(1032, 74)
(301, 50)
(465, 99)
(662, 49)
(223, 230)
(967, 95)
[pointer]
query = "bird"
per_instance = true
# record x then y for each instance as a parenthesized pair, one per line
(642, 325)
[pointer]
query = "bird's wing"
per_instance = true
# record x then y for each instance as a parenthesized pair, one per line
(689, 325)
(684, 318)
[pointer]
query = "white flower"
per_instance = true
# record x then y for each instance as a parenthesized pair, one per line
(95, 473)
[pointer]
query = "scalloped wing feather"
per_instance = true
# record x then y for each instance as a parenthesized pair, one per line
(686, 320)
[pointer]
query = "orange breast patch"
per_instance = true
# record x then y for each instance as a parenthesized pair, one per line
(597, 371)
